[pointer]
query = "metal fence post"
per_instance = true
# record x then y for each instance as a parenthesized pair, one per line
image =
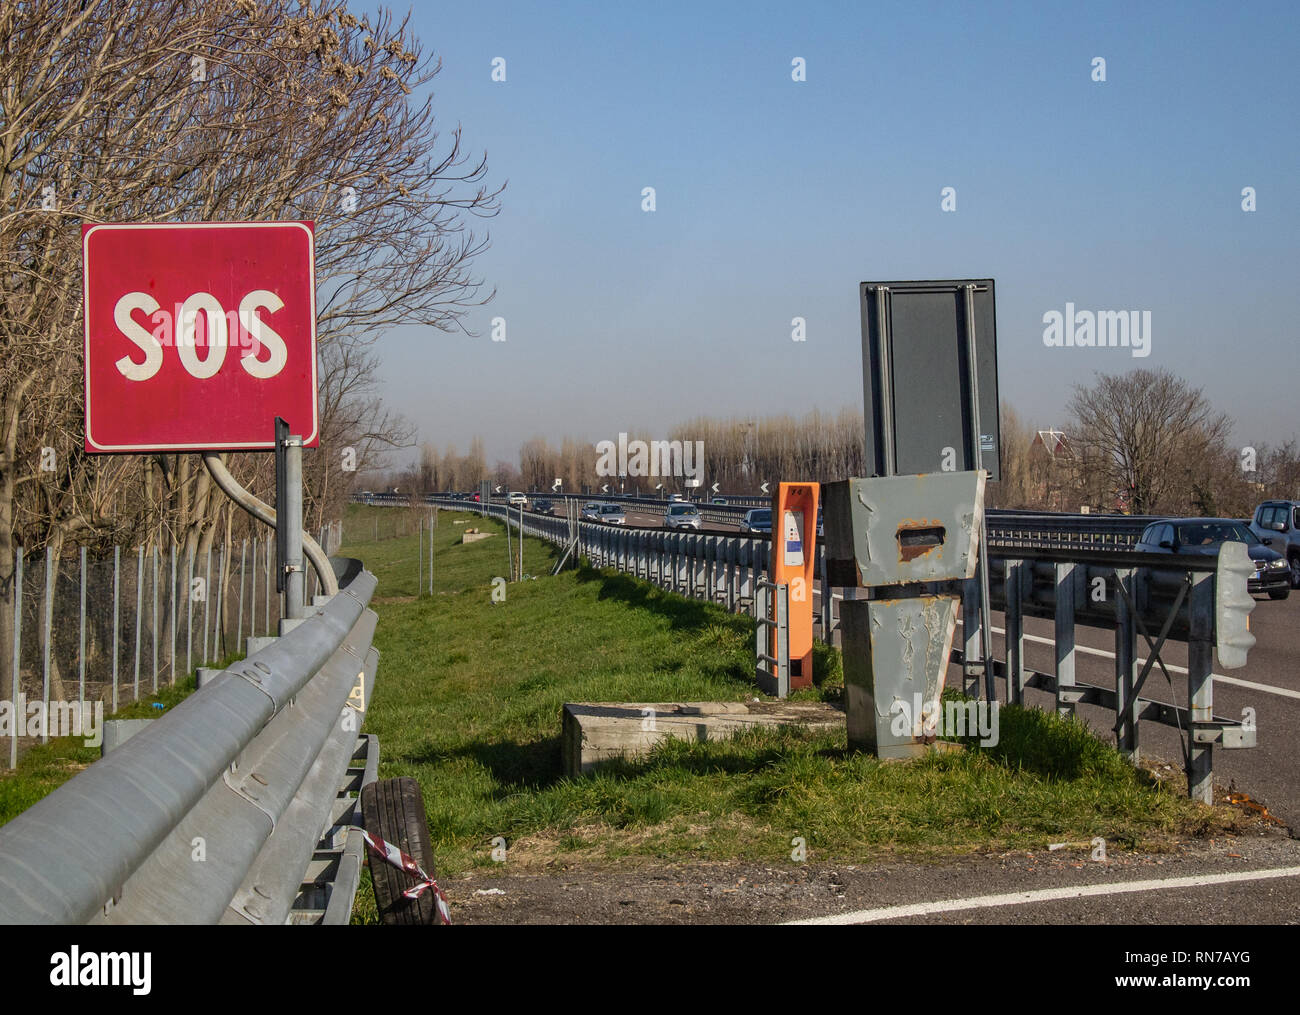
(139, 610)
(16, 684)
(153, 616)
(266, 589)
(419, 561)
(81, 636)
(219, 621)
(239, 630)
(252, 583)
(1064, 617)
(207, 599)
(171, 677)
(48, 626)
(117, 605)
(189, 612)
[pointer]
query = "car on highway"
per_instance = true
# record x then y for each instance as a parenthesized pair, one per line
(476, 498)
(675, 498)
(682, 516)
(612, 514)
(542, 506)
(1277, 523)
(517, 499)
(757, 520)
(1206, 535)
(720, 500)
(591, 511)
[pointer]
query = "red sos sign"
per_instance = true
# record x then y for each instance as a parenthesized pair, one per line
(199, 335)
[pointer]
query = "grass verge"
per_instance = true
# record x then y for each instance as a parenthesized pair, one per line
(468, 702)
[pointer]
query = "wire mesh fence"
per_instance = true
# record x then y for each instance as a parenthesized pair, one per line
(107, 630)
(391, 524)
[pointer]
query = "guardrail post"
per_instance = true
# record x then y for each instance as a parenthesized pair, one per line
(1064, 617)
(827, 595)
(1126, 715)
(1200, 687)
(970, 632)
(732, 567)
(1015, 637)
(783, 640)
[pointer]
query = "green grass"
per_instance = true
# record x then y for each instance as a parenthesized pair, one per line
(468, 701)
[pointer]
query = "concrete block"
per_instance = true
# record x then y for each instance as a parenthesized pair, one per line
(257, 644)
(473, 536)
(205, 675)
(596, 732)
(119, 731)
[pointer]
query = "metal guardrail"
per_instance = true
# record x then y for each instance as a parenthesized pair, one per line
(1162, 596)
(720, 568)
(215, 811)
(1007, 528)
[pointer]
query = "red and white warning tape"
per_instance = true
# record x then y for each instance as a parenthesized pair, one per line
(391, 854)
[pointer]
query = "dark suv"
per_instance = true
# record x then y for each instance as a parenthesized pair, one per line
(1206, 535)
(1277, 524)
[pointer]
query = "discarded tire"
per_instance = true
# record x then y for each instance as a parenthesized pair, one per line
(393, 809)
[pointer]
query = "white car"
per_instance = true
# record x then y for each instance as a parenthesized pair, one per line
(682, 516)
(676, 498)
(517, 499)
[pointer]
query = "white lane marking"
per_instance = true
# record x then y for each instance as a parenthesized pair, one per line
(1046, 895)
(1285, 692)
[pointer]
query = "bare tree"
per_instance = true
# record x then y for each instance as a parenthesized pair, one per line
(205, 110)
(1151, 439)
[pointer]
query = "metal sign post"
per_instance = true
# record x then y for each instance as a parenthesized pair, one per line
(977, 456)
(290, 576)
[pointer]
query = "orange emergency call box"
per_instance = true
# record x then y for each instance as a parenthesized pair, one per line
(794, 555)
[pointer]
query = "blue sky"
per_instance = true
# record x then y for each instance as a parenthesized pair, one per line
(775, 198)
